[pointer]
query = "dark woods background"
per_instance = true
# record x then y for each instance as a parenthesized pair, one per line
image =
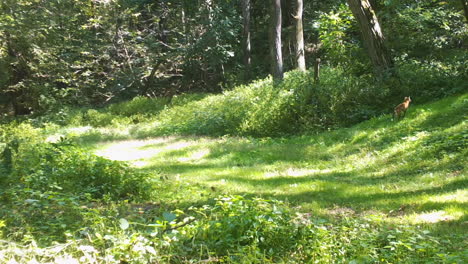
(92, 52)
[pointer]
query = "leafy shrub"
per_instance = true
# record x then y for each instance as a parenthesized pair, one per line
(138, 105)
(198, 118)
(236, 229)
(263, 108)
(423, 28)
(62, 166)
(432, 79)
(97, 118)
(41, 166)
(335, 30)
(343, 100)
(257, 109)
(236, 224)
(239, 230)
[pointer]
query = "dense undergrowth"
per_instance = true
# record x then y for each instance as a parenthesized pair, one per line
(62, 204)
(234, 230)
(295, 106)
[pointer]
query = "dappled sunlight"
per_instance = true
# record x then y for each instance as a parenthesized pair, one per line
(79, 130)
(434, 217)
(138, 131)
(421, 116)
(129, 150)
(149, 149)
(178, 145)
(387, 169)
(295, 172)
(140, 163)
(67, 131)
(89, 135)
(195, 156)
(460, 196)
(418, 136)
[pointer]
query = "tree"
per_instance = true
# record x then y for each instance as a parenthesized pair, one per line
(275, 43)
(372, 35)
(300, 57)
(246, 38)
(465, 8)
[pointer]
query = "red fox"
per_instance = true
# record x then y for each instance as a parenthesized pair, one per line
(401, 108)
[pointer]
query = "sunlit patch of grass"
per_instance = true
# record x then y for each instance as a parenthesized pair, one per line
(131, 150)
(434, 217)
(412, 171)
(458, 196)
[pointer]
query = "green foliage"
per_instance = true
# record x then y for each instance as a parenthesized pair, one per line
(240, 230)
(62, 166)
(364, 174)
(52, 181)
(138, 105)
(337, 30)
(43, 167)
(263, 108)
(267, 109)
(254, 109)
(423, 29)
(213, 51)
(430, 79)
(236, 224)
(91, 52)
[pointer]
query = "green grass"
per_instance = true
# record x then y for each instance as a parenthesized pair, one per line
(412, 171)
(378, 192)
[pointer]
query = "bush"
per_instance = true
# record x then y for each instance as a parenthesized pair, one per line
(62, 166)
(433, 79)
(138, 105)
(239, 230)
(34, 164)
(259, 109)
(264, 108)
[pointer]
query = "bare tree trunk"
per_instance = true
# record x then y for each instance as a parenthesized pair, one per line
(300, 56)
(246, 39)
(276, 55)
(373, 37)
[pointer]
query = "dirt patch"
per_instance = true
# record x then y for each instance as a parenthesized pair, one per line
(342, 211)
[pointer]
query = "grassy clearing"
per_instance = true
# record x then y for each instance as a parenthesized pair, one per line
(378, 192)
(412, 171)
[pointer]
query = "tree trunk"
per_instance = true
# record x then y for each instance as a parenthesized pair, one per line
(465, 8)
(288, 33)
(300, 57)
(275, 43)
(246, 39)
(317, 70)
(373, 37)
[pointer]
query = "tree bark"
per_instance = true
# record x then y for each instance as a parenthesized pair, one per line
(372, 35)
(300, 56)
(465, 8)
(246, 39)
(317, 70)
(276, 55)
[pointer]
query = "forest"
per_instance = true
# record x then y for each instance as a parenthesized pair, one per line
(222, 131)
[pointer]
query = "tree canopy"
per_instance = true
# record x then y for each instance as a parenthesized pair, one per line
(96, 51)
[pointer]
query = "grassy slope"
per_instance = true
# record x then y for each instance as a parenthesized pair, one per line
(409, 171)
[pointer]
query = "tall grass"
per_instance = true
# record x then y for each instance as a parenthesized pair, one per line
(263, 107)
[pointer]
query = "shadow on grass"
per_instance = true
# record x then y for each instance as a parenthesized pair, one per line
(377, 186)
(378, 165)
